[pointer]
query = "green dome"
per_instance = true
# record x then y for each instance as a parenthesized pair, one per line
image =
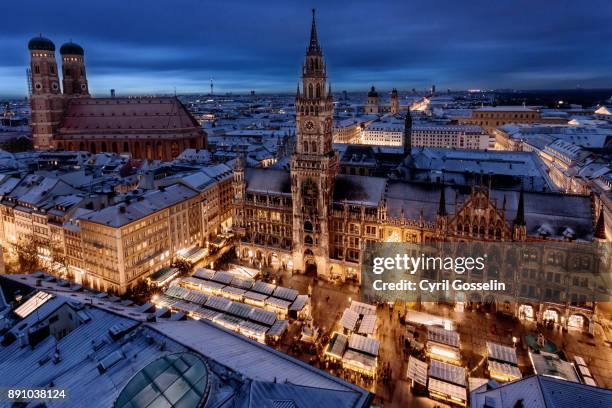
(71, 48)
(41, 43)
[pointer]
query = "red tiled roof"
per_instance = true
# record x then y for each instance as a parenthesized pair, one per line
(121, 116)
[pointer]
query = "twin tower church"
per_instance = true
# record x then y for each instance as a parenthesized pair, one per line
(66, 117)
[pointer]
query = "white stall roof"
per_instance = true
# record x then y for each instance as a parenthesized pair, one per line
(228, 321)
(208, 314)
(230, 290)
(243, 283)
(364, 344)
(285, 293)
(210, 286)
(362, 308)
(364, 361)
(337, 345)
(218, 303)
(299, 303)
(190, 280)
(367, 325)
(417, 370)
(263, 287)
(203, 273)
(196, 297)
(506, 369)
(280, 303)
(442, 336)
(278, 328)
(445, 388)
(255, 296)
(475, 382)
(239, 309)
(262, 316)
(222, 277)
(447, 372)
(349, 319)
(252, 328)
(501, 353)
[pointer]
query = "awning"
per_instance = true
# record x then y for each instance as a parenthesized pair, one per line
(417, 370)
(446, 389)
(367, 325)
(349, 319)
(364, 344)
(360, 362)
(337, 345)
(501, 353)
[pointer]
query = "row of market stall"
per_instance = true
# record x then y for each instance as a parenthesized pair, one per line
(355, 348)
(252, 322)
(285, 302)
(445, 378)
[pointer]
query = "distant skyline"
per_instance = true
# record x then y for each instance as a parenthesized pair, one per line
(139, 47)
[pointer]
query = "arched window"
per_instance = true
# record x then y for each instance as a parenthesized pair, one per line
(305, 147)
(308, 240)
(104, 149)
(81, 146)
(126, 147)
(36, 69)
(313, 147)
(93, 148)
(160, 151)
(115, 148)
(174, 150)
(308, 226)
(310, 91)
(318, 90)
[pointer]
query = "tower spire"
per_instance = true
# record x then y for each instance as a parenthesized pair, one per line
(313, 47)
(600, 226)
(520, 212)
(442, 205)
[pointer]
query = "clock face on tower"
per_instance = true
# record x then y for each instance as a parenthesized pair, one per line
(309, 125)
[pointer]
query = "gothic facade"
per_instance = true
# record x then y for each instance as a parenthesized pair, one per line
(318, 219)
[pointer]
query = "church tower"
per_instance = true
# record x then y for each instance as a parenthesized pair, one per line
(46, 100)
(74, 79)
(373, 101)
(314, 164)
(394, 102)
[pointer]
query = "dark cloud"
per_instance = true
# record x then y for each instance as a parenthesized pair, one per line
(155, 46)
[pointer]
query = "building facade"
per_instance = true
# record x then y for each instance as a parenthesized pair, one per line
(314, 220)
(67, 118)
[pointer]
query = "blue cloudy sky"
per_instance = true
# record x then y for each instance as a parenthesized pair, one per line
(151, 46)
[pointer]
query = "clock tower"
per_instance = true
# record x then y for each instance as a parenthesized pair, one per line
(314, 164)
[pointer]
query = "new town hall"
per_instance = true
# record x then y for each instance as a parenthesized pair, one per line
(318, 216)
